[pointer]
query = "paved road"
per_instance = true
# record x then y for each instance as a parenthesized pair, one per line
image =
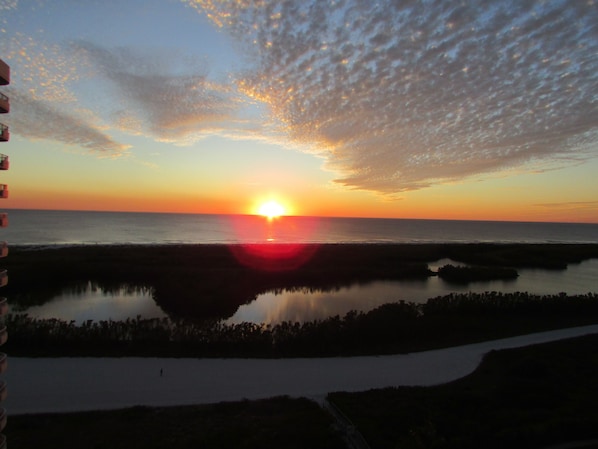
(71, 384)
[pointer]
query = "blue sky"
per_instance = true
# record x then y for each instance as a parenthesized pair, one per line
(422, 109)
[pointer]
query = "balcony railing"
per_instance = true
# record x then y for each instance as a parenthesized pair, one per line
(4, 104)
(4, 133)
(3, 191)
(4, 73)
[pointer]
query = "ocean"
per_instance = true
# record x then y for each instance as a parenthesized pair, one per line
(44, 227)
(60, 228)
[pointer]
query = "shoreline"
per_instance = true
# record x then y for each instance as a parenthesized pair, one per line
(357, 243)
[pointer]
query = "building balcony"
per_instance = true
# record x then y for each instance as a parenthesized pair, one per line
(4, 133)
(3, 191)
(4, 162)
(4, 104)
(3, 220)
(3, 306)
(4, 73)
(3, 277)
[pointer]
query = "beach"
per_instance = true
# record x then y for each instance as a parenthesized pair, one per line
(52, 385)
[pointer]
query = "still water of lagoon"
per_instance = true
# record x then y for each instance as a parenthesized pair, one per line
(92, 303)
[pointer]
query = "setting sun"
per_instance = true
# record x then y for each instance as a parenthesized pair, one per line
(271, 209)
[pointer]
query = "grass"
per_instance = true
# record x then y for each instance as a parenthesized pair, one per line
(280, 423)
(530, 397)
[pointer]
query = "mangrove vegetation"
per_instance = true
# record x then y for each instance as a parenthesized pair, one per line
(210, 282)
(392, 328)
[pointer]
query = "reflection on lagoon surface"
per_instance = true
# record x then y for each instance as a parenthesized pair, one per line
(307, 304)
(90, 302)
(287, 305)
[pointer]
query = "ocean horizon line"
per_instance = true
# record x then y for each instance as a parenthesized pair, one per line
(333, 217)
(77, 227)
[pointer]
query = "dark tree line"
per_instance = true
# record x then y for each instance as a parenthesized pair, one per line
(211, 281)
(464, 275)
(392, 328)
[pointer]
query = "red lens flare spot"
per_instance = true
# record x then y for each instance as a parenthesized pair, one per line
(274, 256)
(270, 243)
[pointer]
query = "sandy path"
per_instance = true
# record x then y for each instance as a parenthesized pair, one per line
(71, 384)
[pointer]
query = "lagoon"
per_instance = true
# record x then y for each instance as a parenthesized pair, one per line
(90, 302)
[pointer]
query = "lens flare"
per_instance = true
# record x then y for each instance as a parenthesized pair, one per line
(274, 256)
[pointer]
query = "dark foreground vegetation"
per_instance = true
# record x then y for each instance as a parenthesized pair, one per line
(392, 328)
(279, 423)
(530, 398)
(464, 275)
(210, 282)
(534, 397)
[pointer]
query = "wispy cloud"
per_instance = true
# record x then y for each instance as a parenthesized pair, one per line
(42, 121)
(43, 106)
(163, 95)
(402, 95)
(159, 94)
(571, 205)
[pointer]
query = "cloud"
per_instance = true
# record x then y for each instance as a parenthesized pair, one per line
(403, 95)
(571, 205)
(164, 95)
(42, 121)
(42, 105)
(161, 94)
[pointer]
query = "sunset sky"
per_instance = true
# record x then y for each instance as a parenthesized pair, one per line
(407, 109)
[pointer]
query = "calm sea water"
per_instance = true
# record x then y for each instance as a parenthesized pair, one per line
(33, 227)
(28, 227)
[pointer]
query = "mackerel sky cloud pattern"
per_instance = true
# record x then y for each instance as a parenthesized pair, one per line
(394, 95)
(401, 95)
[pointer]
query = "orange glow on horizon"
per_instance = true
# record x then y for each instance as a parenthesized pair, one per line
(418, 205)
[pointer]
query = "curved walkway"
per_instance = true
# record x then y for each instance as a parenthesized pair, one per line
(38, 385)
